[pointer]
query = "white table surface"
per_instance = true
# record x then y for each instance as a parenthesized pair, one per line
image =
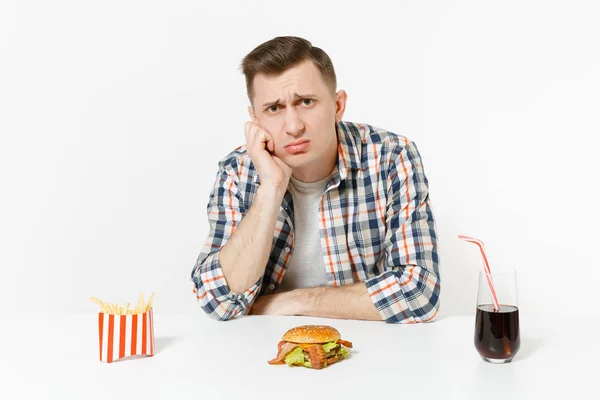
(56, 357)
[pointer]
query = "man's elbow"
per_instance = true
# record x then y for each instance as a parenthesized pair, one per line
(220, 309)
(428, 305)
(214, 297)
(222, 312)
(422, 308)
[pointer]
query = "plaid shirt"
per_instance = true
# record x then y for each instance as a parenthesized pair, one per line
(375, 221)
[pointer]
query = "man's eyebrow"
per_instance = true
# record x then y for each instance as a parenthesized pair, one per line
(296, 96)
(304, 96)
(271, 103)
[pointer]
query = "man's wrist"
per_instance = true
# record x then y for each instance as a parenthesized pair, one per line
(268, 201)
(272, 191)
(299, 301)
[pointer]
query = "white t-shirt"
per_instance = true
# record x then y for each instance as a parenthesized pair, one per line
(306, 267)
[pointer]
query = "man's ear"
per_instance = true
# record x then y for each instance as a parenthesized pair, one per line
(252, 115)
(340, 104)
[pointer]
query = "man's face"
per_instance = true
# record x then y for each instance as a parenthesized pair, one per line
(300, 111)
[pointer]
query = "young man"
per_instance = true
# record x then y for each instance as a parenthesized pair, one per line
(315, 215)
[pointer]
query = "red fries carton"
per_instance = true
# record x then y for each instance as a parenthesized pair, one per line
(124, 332)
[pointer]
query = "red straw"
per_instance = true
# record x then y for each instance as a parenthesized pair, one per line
(486, 266)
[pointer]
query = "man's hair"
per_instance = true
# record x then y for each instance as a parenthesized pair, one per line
(282, 53)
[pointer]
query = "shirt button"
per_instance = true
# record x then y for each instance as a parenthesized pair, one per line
(271, 286)
(287, 249)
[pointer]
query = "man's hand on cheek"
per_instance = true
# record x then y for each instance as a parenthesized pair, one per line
(261, 148)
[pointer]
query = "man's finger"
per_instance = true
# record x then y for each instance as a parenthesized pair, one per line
(255, 138)
(270, 143)
(249, 132)
(256, 134)
(282, 164)
(260, 137)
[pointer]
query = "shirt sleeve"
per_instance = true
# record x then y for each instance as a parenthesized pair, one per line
(408, 287)
(225, 211)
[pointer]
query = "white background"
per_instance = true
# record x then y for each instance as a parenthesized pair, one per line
(113, 115)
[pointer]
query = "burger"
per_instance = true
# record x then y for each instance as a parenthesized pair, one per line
(311, 346)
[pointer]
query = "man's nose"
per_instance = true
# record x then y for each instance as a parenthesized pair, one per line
(293, 123)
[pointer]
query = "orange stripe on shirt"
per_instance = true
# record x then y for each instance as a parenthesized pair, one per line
(415, 244)
(212, 279)
(352, 264)
(323, 226)
(364, 136)
(279, 230)
(381, 212)
(231, 209)
(426, 320)
(407, 281)
(383, 288)
(242, 178)
(421, 277)
(432, 317)
(285, 262)
(203, 295)
(341, 153)
(407, 207)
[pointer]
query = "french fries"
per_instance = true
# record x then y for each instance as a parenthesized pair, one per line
(115, 309)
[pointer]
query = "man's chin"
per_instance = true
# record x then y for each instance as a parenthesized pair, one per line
(297, 161)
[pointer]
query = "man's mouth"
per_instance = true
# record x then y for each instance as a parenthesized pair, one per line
(297, 147)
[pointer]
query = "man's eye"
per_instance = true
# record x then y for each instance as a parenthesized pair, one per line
(307, 102)
(273, 108)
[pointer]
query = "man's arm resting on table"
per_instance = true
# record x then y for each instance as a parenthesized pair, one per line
(345, 302)
(244, 257)
(228, 280)
(228, 273)
(408, 295)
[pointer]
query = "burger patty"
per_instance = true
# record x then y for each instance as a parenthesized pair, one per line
(331, 353)
(318, 358)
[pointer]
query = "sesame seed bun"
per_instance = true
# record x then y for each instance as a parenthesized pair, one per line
(312, 334)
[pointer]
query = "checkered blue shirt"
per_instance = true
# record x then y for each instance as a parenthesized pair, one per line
(375, 220)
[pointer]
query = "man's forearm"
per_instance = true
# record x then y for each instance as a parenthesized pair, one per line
(244, 257)
(347, 302)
